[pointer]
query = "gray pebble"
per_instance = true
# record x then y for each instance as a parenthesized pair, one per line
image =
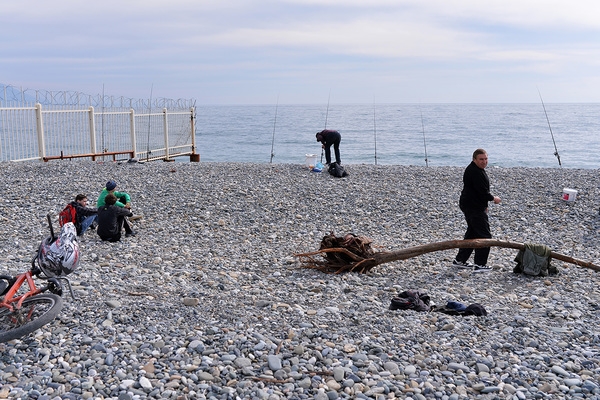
(208, 299)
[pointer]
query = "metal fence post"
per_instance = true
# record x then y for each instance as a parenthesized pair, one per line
(194, 157)
(64, 129)
(166, 130)
(92, 122)
(132, 132)
(40, 131)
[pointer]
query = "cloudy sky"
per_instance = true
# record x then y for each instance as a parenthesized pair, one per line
(307, 51)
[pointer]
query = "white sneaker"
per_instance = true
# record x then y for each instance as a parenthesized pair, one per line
(460, 264)
(481, 268)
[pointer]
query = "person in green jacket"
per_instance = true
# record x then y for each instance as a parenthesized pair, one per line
(123, 201)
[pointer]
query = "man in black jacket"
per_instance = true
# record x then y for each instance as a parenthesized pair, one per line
(111, 220)
(328, 138)
(473, 203)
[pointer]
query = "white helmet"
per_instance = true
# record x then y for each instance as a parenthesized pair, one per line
(60, 256)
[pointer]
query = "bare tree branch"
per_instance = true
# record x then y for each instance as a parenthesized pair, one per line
(359, 257)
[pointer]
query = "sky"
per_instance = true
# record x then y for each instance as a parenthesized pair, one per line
(306, 51)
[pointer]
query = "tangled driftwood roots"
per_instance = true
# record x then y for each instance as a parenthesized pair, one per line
(351, 253)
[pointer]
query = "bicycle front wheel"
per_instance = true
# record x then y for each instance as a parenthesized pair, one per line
(36, 312)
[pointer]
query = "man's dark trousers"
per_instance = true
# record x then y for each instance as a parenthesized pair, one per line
(478, 227)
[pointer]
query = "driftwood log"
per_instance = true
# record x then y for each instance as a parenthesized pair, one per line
(353, 253)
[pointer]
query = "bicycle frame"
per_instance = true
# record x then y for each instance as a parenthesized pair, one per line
(25, 306)
(9, 299)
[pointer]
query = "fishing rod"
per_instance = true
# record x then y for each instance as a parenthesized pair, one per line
(327, 112)
(104, 149)
(375, 132)
(551, 134)
(149, 123)
(274, 122)
(326, 115)
(424, 141)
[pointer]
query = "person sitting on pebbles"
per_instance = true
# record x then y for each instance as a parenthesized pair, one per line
(111, 220)
(123, 201)
(85, 216)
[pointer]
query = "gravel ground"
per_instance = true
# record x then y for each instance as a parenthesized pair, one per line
(209, 302)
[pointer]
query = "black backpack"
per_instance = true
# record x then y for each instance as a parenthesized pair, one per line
(337, 170)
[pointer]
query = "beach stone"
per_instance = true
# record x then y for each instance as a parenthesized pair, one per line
(490, 389)
(458, 367)
(480, 367)
(242, 362)
(260, 325)
(274, 362)
(410, 370)
(392, 367)
(145, 383)
(338, 373)
(560, 371)
(509, 388)
(590, 387)
(304, 383)
(479, 387)
(572, 382)
(191, 301)
(333, 385)
(205, 376)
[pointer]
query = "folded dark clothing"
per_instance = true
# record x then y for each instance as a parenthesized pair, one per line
(411, 300)
(456, 308)
(475, 309)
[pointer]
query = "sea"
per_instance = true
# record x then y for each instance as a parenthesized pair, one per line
(514, 135)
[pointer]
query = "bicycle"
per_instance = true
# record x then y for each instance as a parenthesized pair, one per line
(26, 307)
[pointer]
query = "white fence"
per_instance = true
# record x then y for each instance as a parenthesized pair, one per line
(72, 131)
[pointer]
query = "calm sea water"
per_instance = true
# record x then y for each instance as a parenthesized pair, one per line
(405, 134)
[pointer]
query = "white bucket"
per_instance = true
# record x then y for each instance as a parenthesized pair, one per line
(569, 194)
(310, 161)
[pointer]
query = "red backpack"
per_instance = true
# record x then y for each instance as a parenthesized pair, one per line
(68, 214)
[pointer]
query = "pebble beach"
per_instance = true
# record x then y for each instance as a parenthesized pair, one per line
(208, 300)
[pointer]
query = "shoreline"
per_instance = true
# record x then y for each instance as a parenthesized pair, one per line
(350, 165)
(224, 235)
